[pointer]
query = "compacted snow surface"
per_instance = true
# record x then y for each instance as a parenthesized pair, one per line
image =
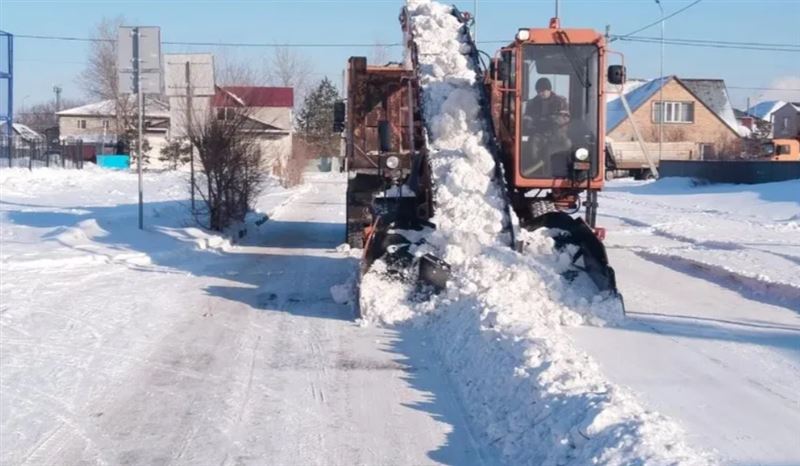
(711, 279)
(174, 346)
(499, 327)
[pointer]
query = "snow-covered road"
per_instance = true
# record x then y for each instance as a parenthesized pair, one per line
(711, 340)
(122, 347)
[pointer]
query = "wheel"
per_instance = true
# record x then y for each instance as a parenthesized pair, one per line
(609, 175)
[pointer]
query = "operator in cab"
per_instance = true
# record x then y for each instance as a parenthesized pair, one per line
(546, 121)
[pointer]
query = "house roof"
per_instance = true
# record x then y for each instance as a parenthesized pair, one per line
(764, 110)
(714, 94)
(710, 92)
(23, 131)
(612, 91)
(253, 96)
(152, 108)
(794, 105)
(615, 111)
(742, 114)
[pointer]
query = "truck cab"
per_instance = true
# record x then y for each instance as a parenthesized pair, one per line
(781, 150)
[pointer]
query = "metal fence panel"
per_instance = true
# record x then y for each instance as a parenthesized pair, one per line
(18, 152)
(737, 172)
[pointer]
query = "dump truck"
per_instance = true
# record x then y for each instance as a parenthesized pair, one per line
(549, 161)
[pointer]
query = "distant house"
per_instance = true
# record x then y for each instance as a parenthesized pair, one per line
(95, 123)
(269, 110)
(786, 121)
(764, 110)
(744, 119)
(696, 113)
(22, 134)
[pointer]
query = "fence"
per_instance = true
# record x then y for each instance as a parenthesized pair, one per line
(18, 152)
(743, 172)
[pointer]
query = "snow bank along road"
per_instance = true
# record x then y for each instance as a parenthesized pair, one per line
(711, 278)
(172, 347)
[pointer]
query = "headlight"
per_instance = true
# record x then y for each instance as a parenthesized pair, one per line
(392, 162)
(523, 35)
(582, 154)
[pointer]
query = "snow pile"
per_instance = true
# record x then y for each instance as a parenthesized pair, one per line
(535, 398)
(40, 205)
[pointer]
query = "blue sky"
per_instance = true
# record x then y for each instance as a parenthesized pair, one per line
(40, 64)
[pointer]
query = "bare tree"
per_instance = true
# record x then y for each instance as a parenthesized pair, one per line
(40, 117)
(231, 71)
(230, 165)
(288, 68)
(99, 78)
(303, 153)
(100, 81)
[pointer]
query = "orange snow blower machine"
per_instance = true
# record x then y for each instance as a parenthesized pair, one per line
(543, 106)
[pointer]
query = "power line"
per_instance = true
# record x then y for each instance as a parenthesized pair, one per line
(711, 41)
(763, 88)
(714, 45)
(676, 12)
(628, 37)
(217, 44)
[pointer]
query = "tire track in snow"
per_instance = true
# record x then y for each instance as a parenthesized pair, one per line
(753, 288)
(52, 447)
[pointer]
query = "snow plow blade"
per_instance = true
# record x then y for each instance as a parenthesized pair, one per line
(590, 248)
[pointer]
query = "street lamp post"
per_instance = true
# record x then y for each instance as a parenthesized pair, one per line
(662, 108)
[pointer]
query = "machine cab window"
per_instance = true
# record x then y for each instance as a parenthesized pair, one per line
(559, 109)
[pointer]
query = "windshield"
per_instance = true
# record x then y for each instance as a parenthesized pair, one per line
(559, 108)
(767, 149)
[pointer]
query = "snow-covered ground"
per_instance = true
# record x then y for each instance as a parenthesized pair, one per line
(533, 396)
(172, 346)
(711, 279)
(547, 375)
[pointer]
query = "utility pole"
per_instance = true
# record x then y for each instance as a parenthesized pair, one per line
(189, 125)
(137, 75)
(661, 89)
(139, 63)
(57, 89)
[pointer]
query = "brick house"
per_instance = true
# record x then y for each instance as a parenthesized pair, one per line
(268, 109)
(697, 114)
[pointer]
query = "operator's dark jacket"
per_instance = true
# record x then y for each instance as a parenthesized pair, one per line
(548, 114)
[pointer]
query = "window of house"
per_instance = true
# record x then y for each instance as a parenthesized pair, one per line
(225, 113)
(673, 112)
(785, 123)
(105, 124)
(81, 124)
